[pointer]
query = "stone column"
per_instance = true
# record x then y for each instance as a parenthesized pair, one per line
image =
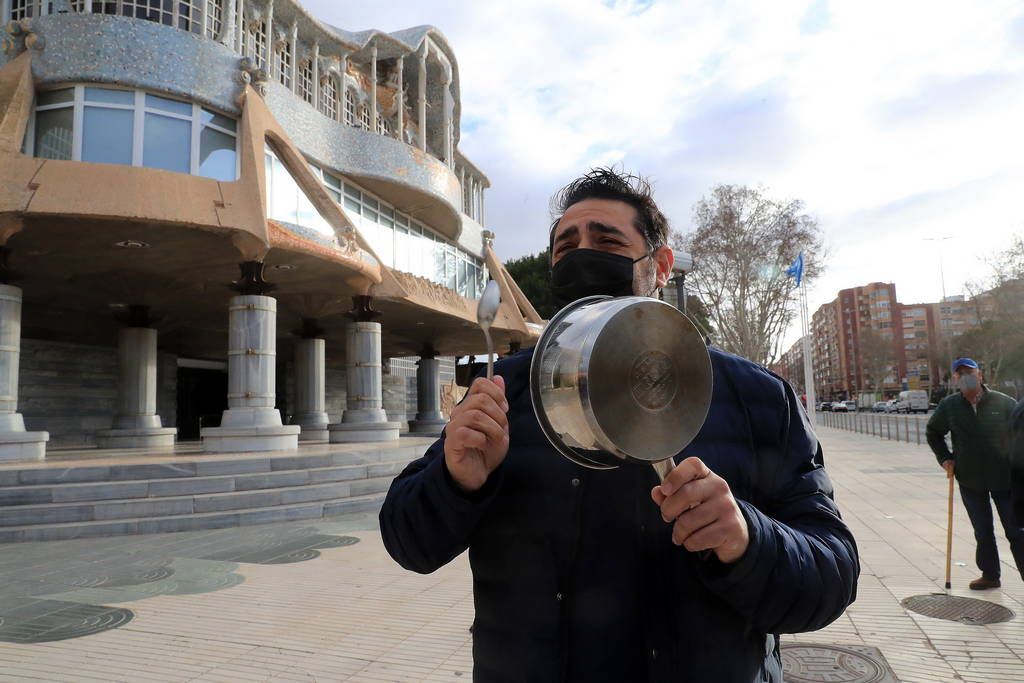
(373, 89)
(295, 56)
(429, 419)
(447, 105)
(400, 101)
(137, 424)
(15, 443)
(422, 100)
(316, 75)
(251, 422)
(241, 28)
(364, 418)
(310, 399)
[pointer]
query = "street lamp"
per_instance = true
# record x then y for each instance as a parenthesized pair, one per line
(682, 264)
(942, 279)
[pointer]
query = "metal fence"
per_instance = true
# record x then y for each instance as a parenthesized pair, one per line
(885, 426)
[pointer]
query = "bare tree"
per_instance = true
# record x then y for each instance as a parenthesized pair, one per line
(876, 357)
(742, 244)
(998, 301)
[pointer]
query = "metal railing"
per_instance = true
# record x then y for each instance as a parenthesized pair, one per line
(884, 426)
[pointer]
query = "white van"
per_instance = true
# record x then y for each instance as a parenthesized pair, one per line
(913, 401)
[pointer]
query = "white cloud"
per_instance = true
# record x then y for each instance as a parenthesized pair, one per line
(892, 121)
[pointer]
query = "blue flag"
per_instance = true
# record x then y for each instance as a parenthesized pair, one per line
(797, 269)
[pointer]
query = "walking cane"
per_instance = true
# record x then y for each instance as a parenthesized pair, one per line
(949, 528)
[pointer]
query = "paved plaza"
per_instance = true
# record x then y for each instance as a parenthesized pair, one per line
(321, 600)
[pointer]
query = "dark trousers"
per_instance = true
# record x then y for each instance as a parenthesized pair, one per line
(979, 510)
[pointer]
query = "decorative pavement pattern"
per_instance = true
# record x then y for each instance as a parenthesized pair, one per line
(321, 600)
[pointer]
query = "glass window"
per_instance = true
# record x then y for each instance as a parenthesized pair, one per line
(109, 96)
(287, 202)
(167, 143)
(214, 18)
(54, 133)
(282, 193)
(353, 192)
(350, 107)
(48, 97)
(108, 118)
(332, 181)
(450, 270)
(107, 135)
(305, 84)
(207, 118)
(283, 65)
(352, 205)
(386, 245)
(437, 265)
(173, 106)
(463, 279)
(216, 155)
(403, 249)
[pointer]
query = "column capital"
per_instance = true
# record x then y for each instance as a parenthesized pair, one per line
(362, 310)
(251, 280)
(309, 329)
(428, 351)
(136, 315)
(7, 275)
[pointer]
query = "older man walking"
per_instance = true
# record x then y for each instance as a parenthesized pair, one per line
(978, 420)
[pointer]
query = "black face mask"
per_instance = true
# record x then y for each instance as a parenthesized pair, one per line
(589, 272)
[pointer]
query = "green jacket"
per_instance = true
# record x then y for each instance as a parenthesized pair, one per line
(981, 442)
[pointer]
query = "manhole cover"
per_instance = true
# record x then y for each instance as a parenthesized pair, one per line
(956, 608)
(278, 550)
(116, 578)
(45, 621)
(834, 664)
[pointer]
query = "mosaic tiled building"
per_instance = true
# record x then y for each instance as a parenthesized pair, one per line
(155, 155)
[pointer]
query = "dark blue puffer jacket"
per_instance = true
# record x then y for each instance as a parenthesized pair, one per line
(575, 577)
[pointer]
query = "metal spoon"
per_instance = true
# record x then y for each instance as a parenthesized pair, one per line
(486, 309)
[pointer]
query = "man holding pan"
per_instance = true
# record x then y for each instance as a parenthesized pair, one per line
(597, 575)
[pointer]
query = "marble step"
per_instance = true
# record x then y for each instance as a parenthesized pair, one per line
(108, 510)
(36, 494)
(199, 467)
(367, 503)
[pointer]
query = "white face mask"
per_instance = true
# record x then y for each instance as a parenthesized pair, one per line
(969, 382)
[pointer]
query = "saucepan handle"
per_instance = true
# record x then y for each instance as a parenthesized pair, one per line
(663, 467)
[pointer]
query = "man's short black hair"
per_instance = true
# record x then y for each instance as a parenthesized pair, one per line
(607, 183)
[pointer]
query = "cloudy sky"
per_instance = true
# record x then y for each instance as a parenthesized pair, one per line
(892, 121)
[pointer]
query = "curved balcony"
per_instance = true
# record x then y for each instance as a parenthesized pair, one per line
(146, 55)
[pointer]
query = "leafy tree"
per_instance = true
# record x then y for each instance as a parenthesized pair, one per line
(741, 245)
(533, 275)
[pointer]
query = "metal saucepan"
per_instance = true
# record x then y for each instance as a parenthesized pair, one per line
(625, 379)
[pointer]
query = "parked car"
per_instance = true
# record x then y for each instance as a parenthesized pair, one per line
(825, 407)
(879, 407)
(851, 406)
(913, 401)
(892, 405)
(839, 407)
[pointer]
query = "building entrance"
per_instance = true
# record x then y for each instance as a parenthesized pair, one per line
(202, 397)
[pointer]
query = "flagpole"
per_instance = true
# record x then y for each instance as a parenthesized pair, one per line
(808, 361)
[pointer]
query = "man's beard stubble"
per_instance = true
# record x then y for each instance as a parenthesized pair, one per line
(645, 278)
